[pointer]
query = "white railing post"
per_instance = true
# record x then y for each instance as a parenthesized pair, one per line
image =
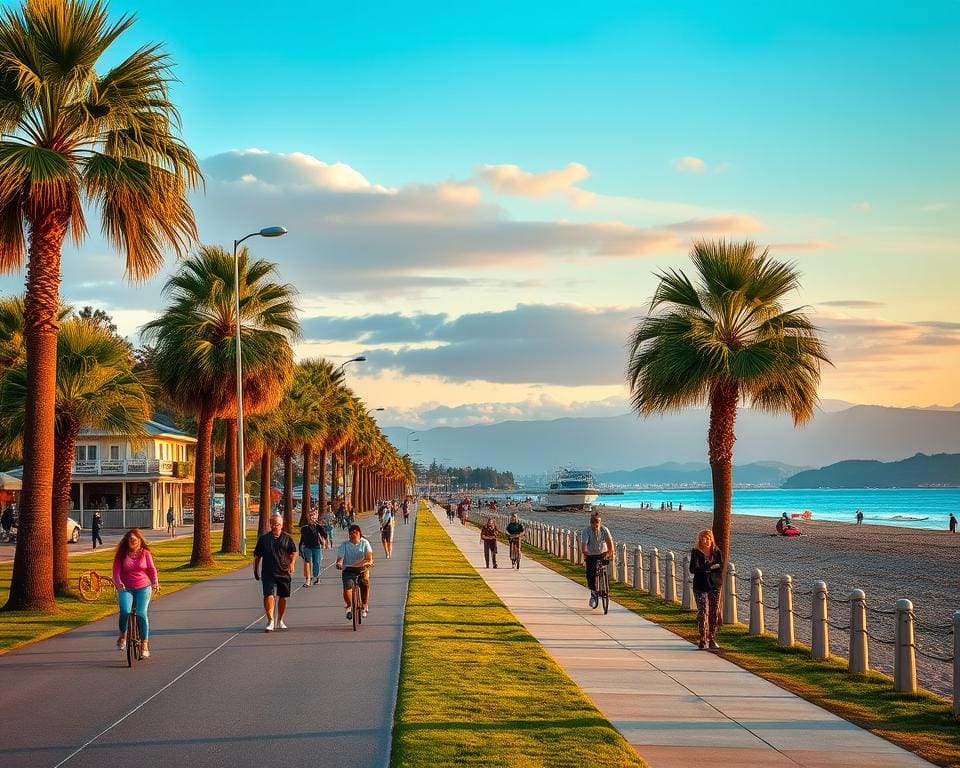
(859, 655)
(688, 601)
(623, 564)
(730, 595)
(820, 631)
(785, 636)
(642, 583)
(757, 622)
(655, 573)
(579, 549)
(670, 593)
(904, 659)
(956, 664)
(637, 567)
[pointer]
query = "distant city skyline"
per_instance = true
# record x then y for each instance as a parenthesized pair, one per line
(479, 198)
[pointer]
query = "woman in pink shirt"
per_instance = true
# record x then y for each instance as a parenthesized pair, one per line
(136, 578)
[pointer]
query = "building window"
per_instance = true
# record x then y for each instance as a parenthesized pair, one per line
(138, 496)
(114, 453)
(85, 453)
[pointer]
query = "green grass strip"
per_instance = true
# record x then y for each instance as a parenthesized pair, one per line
(476, 689)
(172, 557)
(921, 723)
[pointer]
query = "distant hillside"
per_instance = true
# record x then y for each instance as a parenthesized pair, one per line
(625, 442)
(917, 471)
(764, 473)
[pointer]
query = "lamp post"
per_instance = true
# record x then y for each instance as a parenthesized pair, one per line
(265, 232)
(344, 364)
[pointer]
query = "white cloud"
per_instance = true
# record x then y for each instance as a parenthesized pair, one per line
(934, 207)
(690, 164)
(863, 206)
(508, 179)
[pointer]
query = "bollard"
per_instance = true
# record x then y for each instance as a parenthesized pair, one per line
(859, 654)
(956, 664)
(655, 573)
(904, 658)
(785, 635)
(637, 566)
(579, 548)
(613, 566)
(623, 564)
(571, 540)
(757, 623)
(688, 601)
(642, 583)
(730, 595)
(820, 632)
(670, 594)
(566, 545)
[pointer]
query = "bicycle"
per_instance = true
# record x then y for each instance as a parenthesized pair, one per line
(603, 584)
(515, 551)
(90, 585)
(356, 601)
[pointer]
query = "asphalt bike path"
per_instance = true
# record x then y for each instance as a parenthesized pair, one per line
(678, 706)
(218, 690)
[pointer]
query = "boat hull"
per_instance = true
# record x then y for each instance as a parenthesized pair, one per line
(579, 498)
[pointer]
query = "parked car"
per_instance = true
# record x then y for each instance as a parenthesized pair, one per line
(73, 530)
(188, 514)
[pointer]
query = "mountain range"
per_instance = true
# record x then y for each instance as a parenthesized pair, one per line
(626, 442)
(770, 474)
(918, 471)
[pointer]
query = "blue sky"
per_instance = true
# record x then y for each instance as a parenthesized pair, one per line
(527, 167)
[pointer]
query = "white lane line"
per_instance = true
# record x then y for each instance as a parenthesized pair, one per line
(179, 677)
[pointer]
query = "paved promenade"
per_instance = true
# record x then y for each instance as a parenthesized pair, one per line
(218, 691)
(677, 705)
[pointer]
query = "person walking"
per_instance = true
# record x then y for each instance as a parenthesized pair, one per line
(6, 520)
(311, 549)
(135, 575)
(170, 520)
(326, 522)
(406, 511)
(277, 551)
(596, 543)
(953, 523)
(859, 517)
(386, 531)
(95, 526)
(706, 565)
(488, 535)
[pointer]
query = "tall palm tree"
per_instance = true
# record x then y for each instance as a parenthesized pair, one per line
(724, 339)
(196, 357)
(71, 135)
(97, 389)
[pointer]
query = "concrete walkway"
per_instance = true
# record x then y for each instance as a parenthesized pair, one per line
(678, 706)
(218, 690)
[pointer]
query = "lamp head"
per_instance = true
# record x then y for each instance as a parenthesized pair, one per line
(360, 359)
(272, 232)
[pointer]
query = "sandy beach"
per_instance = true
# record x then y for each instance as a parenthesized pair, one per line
(886, 562)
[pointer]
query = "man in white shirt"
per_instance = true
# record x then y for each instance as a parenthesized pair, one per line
(386, 531)
(354, 558)
(596, 542)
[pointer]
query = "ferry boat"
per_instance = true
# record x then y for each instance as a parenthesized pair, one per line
(572, 488)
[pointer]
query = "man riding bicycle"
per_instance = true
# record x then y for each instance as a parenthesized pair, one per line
(515, 530)
(354, 558)
(596, 543)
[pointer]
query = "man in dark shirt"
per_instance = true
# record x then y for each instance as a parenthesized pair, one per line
(277, 551)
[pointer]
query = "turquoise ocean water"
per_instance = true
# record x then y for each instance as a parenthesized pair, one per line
(880, 506)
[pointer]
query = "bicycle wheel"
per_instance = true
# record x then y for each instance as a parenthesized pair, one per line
(355, 603)
(133, 638)
(604, 590)
(89, 586)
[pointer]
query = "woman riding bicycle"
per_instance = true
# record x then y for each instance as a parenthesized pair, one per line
(596, 543)
(135, 575)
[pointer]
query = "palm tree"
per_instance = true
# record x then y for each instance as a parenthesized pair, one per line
(725, 339)
(196, 358)
(98, 389)
(71, 136)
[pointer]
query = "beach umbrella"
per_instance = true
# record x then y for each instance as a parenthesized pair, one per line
(10, 483)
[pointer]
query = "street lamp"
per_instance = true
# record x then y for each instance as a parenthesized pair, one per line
(265, 232)
(344, 364)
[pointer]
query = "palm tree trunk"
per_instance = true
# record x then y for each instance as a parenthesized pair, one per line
(322, 487)
(334, 485)
(231, 490)
(201, 555)
(31, 585)
(723, 416)
(62, 470)
(288, 492)
(305, 500)
(266, 490)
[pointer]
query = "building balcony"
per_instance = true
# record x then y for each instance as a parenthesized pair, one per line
(162, 467)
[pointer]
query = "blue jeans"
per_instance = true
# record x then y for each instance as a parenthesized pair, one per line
(135, 600)
(313, 556)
